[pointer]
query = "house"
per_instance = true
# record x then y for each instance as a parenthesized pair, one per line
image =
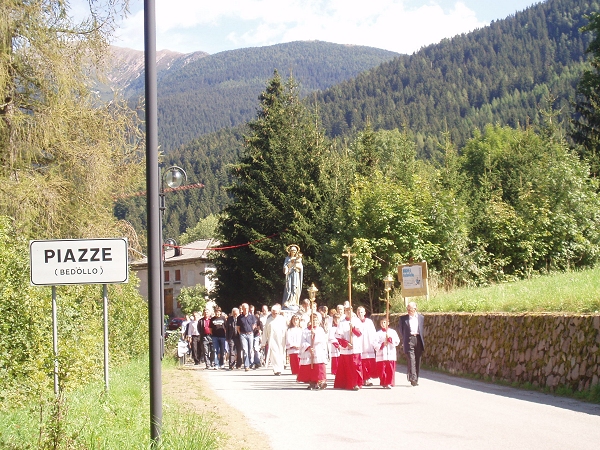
(184, 266)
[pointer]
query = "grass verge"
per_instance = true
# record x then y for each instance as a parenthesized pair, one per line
(89, 418)
(575, 292)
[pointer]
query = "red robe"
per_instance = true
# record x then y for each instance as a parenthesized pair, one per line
(349, 370)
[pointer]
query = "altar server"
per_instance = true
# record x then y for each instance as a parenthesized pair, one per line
(387, 341)
(313, 355)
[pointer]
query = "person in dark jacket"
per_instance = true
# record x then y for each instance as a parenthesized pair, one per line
(208, 354)
(233, 338)
(412, 331)
(219, 336)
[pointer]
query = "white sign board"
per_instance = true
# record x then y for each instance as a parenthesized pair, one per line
(78, 261)
(412, 277)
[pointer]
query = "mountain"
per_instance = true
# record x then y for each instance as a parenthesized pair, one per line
(127, 68)
(205, 94)
(500, 74)
(503, 73)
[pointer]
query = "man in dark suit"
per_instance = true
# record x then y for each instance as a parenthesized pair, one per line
(233, 340)
(412, 331)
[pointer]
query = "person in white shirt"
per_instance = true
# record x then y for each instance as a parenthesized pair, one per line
(412, 331)
(304, 312)
(184, 325)
(334, 345)
(193, 337)
(386, 342)
(264, 314)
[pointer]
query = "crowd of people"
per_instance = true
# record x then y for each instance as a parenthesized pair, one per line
(307, 340)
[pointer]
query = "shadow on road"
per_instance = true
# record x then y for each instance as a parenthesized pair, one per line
(508, 391)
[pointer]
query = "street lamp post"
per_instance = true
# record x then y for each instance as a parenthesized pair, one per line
(174, 177)
(153, 219)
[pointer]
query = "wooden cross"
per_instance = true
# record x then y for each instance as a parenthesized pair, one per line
(349, 256)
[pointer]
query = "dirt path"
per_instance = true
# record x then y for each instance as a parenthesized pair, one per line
(186, 386)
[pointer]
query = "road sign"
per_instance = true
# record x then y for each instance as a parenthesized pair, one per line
(78, 261)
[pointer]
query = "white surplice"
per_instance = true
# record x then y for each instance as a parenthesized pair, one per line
(274, 337)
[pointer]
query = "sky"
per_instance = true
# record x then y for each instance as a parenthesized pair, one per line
(402, 26)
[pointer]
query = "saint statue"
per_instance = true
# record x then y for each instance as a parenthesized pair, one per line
(293, 270)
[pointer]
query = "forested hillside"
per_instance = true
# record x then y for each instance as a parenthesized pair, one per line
(498, 74)
(502, 74)
(205, 161)
(221, 90)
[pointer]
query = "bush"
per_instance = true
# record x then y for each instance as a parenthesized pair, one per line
(26, 350)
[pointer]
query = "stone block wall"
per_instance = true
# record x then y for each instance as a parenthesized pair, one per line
(547, 350)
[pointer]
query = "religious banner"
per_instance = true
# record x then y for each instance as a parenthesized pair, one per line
(413, 279)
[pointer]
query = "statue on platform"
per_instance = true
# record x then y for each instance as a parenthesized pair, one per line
(293, 270)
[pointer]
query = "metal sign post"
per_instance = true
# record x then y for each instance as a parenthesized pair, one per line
(105, 311)
(55, 340)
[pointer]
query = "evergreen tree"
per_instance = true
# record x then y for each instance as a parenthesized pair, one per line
(278, 194)
(586, 123)
(366, 152)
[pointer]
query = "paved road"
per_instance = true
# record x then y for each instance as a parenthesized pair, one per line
(443, 412)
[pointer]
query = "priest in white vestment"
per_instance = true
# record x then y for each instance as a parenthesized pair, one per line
(274, 339)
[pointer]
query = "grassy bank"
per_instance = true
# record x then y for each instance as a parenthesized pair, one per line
(90, 419)
(575, 292)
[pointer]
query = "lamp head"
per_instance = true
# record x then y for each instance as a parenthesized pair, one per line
(174, 176)
(388, 282)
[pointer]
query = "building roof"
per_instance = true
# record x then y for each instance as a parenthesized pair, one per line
(194, 251)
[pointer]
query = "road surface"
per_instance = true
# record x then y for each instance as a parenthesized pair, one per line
(443, 412)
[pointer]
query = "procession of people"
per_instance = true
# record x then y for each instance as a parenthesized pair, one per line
(308, 344)
(307, 338)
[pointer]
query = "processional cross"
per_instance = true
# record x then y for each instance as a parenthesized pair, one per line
(349, 256)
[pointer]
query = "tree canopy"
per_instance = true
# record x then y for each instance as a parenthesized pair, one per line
(64, 154)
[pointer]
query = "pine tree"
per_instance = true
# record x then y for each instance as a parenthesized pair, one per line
(586, 123)
(277, 199)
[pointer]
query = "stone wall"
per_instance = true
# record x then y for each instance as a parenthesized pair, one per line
(547, 350)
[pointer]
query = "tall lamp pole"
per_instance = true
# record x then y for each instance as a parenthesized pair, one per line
(153, 220)
(173, 177)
